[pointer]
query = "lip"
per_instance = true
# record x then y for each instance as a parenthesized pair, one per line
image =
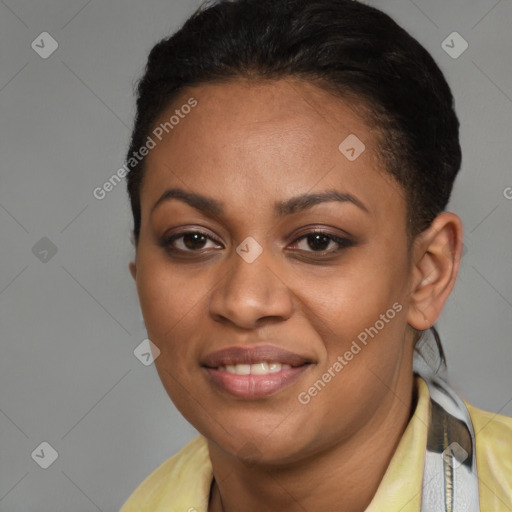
(251, 355)
(253, 387)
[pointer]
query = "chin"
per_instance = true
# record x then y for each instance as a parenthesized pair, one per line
(258, 447)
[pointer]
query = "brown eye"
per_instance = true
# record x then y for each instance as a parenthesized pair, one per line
(187, 241)
(321, 241)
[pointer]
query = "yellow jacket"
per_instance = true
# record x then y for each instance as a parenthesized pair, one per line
(182, 483)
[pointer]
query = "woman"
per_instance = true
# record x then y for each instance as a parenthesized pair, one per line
(291, 161)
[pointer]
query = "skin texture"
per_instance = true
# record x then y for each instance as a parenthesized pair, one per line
(248, 145)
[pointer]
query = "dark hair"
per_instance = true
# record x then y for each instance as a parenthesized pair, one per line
(348, 48)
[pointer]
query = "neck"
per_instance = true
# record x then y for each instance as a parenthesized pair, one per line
(347, 473)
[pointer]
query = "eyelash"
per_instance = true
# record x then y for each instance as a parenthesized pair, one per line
(343, 243)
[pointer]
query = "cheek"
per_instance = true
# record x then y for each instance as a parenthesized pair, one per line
(164, 311)
(156, 300)
(163, 295)
(355, 301)
(365, 372)
(361, 318)
(173, 305)
(168, 308)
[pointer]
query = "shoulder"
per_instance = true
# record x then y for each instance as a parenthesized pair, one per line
(182, 482)
(493, 435)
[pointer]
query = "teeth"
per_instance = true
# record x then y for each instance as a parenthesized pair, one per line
(262, 368)
(274, 367)
(259, 369)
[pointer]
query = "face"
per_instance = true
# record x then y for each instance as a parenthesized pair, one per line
(281, 320)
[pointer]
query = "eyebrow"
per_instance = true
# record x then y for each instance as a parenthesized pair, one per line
(296, 204)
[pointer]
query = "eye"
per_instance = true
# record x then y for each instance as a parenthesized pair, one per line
(319, 241)
(316, 241)
(187, 241)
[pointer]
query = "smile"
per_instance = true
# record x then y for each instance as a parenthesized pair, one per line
(262, 368)
(252, 372)
(253, 386)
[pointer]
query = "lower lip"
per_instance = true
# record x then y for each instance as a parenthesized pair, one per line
(252, 387)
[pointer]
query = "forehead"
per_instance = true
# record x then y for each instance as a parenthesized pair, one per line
(249, 112)
(273, 138)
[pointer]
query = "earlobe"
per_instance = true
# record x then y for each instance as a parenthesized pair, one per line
(437, 256)
(133, 269)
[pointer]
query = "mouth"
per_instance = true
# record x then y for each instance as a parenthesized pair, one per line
(261, 368)
(255, 372)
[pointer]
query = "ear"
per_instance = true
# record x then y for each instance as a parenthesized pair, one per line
(133, 269)
(436, 258)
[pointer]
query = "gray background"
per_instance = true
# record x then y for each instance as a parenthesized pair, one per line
(70, 321)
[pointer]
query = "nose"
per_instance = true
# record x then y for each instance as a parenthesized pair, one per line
(251, 293)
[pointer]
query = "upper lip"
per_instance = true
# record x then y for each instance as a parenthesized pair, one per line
(252, 355)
